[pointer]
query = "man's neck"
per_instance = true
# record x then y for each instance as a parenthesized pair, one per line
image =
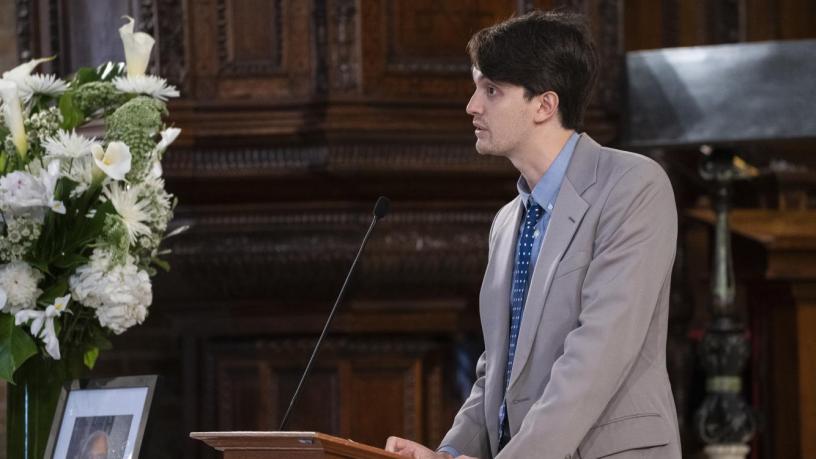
(534, 162)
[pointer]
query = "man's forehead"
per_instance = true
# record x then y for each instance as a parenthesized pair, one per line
(477, 74)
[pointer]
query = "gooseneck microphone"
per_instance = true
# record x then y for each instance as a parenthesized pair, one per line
(380, 211)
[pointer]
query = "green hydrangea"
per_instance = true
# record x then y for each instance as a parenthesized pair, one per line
(98, 95)
(137, 123)
(20, 234)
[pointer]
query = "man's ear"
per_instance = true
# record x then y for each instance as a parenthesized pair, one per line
(546, 106)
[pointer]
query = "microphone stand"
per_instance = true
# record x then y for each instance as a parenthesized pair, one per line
(380, 210)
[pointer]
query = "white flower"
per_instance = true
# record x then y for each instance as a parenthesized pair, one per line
(81, 171)
(13, 113)
(150, 85)
(168, 136)
(49, 177)
(18, 282)
(18, 74)
(132, 210)
(137, 48)
(121, 317)
(115, 161)
(42, 84)
(120, 294)
(21, 193)
(156, 171)
(42, 323)
(67, 145)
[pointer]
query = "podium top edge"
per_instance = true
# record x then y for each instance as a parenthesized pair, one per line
(250, 433)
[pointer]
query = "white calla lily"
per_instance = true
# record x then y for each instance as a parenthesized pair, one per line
(21, 72)
(115, 161)
(13, 114)
(137, 48)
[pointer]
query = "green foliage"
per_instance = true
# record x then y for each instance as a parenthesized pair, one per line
(90, 357)
(72, 116)
(16, 346)
(98, 96)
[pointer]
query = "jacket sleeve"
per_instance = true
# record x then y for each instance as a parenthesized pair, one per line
(633, 255)
(468, 435)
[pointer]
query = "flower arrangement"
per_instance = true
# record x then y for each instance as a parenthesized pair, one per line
(81, 218)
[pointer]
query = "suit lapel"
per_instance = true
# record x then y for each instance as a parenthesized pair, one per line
(566, 218)
(495, 313)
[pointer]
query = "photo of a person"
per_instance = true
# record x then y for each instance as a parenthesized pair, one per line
(95, 446)
(99, 437)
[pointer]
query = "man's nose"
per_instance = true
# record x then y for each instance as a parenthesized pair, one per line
(474, 106)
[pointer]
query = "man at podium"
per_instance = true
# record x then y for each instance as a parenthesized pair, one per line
(574, 302)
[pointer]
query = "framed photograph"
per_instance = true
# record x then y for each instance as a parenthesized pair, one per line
(101, 418)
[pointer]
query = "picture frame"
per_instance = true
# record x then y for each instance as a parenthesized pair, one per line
(101, 418)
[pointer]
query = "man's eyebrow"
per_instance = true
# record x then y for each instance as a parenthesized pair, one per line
(487, 80)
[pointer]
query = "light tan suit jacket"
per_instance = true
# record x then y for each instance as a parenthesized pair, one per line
(589, 378)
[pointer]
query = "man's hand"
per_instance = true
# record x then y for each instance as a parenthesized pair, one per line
(414, 450)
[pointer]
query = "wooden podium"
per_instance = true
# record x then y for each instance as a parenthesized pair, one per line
(280, 445)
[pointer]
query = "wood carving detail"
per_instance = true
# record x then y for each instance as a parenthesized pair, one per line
(345, 60)
(25, 42)
(255, 162)
(241, 28)
(172, 44)
(251, 255)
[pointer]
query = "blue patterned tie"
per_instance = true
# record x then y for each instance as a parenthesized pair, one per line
(521, 276)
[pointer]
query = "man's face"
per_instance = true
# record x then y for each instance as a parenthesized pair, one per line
(502, 116)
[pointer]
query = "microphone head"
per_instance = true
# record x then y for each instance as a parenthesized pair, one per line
(382, 207)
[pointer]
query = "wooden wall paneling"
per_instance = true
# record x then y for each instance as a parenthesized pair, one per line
(414, 50)
(806, 322)
(251, 50)
(364, 389)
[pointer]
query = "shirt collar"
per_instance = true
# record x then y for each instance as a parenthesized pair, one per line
(546, 190)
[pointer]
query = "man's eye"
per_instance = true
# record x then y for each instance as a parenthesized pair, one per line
(491, 90)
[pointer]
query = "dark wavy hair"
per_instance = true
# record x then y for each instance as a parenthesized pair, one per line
(541, 51)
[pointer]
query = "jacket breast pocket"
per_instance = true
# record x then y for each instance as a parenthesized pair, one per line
(626, 433)
(572, 263)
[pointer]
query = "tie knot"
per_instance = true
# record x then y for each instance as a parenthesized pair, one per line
(533, 208)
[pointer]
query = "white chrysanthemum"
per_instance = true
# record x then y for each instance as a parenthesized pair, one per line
(68, 145)
(120, 293)
(38, 83)
(79, 170)
(149, 85)
(18, 281)
(132, 210)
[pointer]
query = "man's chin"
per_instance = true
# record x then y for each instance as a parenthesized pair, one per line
(485, 150)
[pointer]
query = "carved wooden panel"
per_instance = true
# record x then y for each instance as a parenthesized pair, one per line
(416, 49)
(251, 49)
(249, 385)
(300, 253)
